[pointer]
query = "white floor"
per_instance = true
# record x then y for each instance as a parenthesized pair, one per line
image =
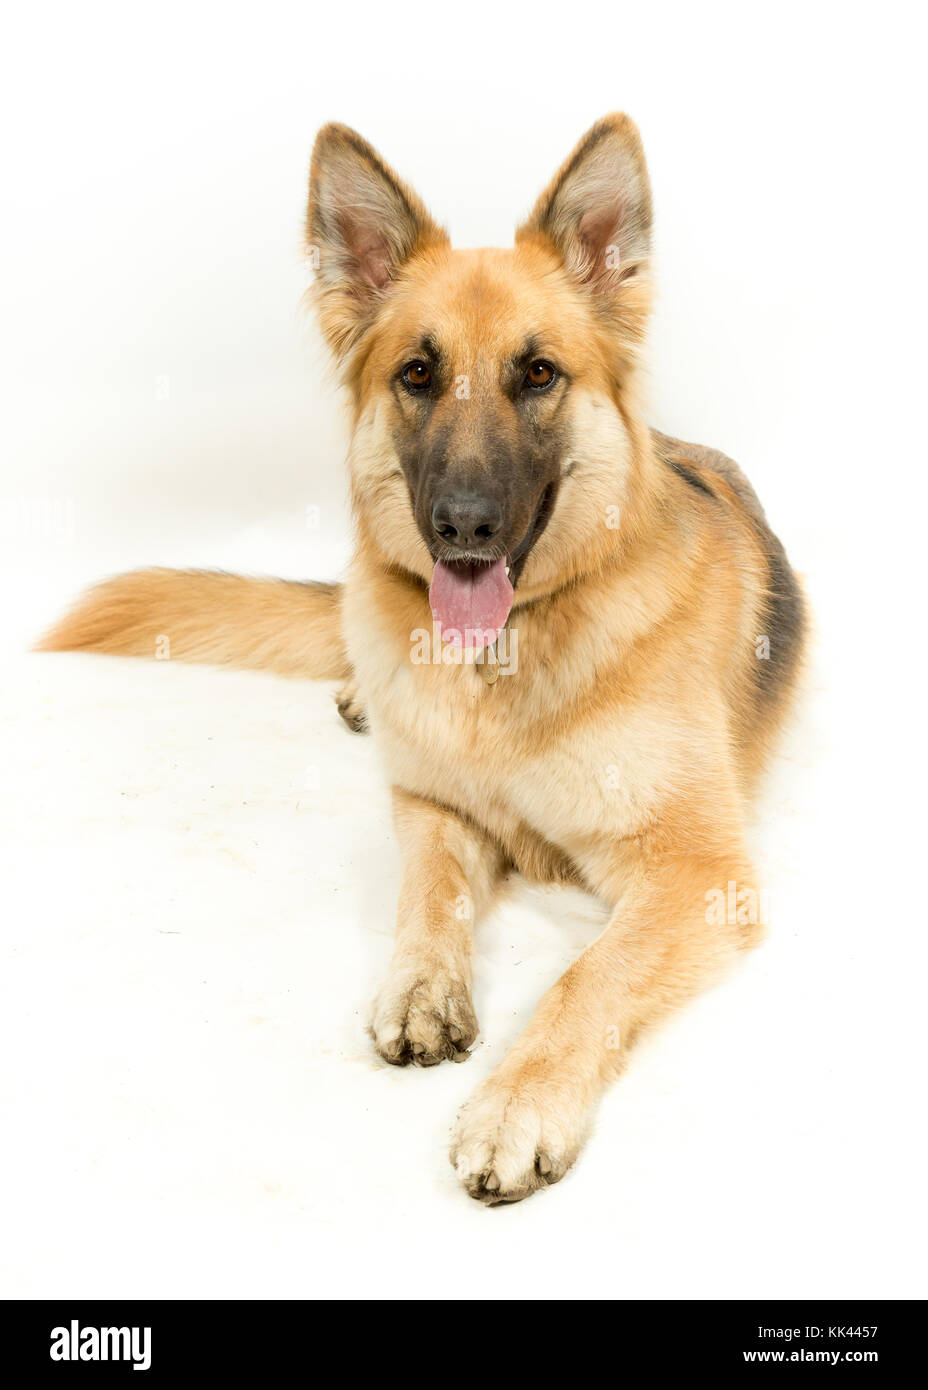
(198, 884)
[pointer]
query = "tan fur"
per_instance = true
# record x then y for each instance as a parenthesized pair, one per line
(222, 619)
(621, 753)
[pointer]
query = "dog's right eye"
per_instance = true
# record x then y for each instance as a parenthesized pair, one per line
(416, 376)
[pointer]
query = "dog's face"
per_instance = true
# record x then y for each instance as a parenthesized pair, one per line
(491, 445)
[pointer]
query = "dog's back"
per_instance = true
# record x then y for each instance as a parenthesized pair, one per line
(783, 625)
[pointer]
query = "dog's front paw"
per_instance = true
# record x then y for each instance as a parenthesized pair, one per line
(513, 1138)
(423, 1018)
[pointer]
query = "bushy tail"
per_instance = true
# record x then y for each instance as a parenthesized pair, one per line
(275, 625)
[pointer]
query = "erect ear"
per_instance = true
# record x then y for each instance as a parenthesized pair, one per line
(362, 227)
(597, 210)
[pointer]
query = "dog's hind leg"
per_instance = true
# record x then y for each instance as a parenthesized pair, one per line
(424, 1011)
(678, 923)
(351, 707)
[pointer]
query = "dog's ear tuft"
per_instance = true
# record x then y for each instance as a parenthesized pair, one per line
(362, 227)
(597, 209)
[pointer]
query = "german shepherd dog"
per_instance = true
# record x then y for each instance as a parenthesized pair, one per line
(505, 486)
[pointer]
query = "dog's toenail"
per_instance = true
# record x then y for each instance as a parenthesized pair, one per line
(418, 1048)
(491, 1182)
(543, 1164)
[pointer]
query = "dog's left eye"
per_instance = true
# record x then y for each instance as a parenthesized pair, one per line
(540, 375)
(416, 376)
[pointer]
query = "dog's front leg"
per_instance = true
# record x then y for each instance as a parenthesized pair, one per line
(424, 1011)
(525, 1124)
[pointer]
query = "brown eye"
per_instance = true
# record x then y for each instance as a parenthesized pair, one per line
(416, 376)
(540, 375)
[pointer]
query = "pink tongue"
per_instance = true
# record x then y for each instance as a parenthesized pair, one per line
(471, 602)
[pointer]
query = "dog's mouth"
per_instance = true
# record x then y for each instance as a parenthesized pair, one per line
(471, 599)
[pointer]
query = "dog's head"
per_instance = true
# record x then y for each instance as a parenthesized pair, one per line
(493, 442)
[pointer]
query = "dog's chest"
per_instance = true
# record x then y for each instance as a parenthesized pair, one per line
(522, 750)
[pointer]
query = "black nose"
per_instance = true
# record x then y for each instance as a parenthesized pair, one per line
(466, 520)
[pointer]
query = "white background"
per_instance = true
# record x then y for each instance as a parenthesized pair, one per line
(199, 868)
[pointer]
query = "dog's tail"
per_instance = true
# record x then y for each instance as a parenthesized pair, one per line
(275, 625)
